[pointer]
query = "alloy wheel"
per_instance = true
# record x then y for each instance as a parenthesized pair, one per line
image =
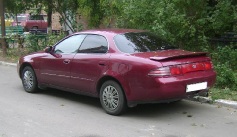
(111, 97)
(28, 80)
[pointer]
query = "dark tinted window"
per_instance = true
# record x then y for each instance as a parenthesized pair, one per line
(140, 42)
(36, 17)
(69, 45)
(94, 44)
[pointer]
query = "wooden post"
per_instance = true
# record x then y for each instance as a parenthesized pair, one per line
(49, 15)
(3, 41)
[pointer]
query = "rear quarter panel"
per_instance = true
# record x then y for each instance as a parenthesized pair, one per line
(132, 72)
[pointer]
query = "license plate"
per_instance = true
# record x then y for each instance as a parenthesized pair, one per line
(197, 86)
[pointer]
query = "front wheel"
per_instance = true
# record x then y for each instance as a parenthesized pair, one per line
(112, 98)
(29, 80)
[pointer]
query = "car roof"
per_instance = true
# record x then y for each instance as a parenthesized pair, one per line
(111, 31)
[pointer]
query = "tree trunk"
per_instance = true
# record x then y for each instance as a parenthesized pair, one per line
(3, 41)
(49, 14)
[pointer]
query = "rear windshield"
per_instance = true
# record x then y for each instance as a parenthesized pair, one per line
(140, 42)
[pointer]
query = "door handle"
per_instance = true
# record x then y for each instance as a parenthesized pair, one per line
(66, 61)
(102, 63)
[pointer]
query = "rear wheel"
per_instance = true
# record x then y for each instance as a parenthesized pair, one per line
(112, 98)
(25, 29)
(29, 80)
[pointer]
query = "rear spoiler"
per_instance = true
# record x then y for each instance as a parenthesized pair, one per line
(191, 54)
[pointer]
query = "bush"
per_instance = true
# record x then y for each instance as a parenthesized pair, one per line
(225, 55)
(38, 42)
(188, 24)
(224, 60)
(226, 77)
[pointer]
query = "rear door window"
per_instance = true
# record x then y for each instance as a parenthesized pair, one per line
(94, 44)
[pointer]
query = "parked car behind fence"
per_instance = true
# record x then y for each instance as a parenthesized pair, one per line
(37, 22)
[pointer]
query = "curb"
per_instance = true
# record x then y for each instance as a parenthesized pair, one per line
(226, 103)
(8, 64)
(222, 102)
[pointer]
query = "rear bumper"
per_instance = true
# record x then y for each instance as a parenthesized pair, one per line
(168, 89)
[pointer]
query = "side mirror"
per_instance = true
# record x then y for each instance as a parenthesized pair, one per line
(48, 49)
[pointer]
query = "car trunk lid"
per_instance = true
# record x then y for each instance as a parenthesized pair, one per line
(179, 61)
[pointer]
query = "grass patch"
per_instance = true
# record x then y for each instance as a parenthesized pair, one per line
(228, 94)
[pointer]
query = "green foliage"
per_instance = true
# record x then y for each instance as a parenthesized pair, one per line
(225, 93)
(225, 55)
(223, 17)
(225, 76)
(91, 9)
(34, 43)
(53, 39)
(138, 15)
(187, 23)
(31, 43)
(38, 42)
(100, 12)
(224, 59)
(18, 6)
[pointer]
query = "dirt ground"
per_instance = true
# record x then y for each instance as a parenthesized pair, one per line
(8, 59)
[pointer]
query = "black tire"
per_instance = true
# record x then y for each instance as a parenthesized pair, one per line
(25, 29)
(112, 98)
(29, 80)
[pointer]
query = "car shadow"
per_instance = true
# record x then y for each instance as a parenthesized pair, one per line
(91, 101)
(141, 111)
(160, 109)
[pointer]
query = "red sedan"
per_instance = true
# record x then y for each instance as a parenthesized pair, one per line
(122, 67)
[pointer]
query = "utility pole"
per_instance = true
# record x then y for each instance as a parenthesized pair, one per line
(3, 41)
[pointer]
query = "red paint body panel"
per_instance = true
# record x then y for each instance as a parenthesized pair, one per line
(86, 71)
(55, 71)
(83, 72)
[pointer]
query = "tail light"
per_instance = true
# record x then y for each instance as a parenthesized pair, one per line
(208, 65)
(165, 71)
(181, 69)
(175, 70)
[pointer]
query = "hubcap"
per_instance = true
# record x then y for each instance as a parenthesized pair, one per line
(28, 79)
(110, 97)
